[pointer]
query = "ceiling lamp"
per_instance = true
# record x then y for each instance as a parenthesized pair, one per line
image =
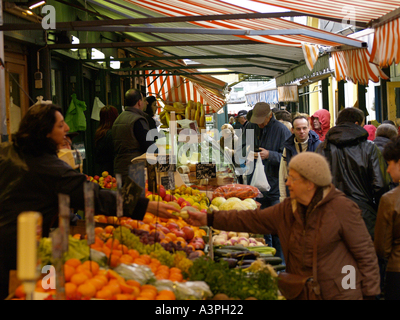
(37, 4)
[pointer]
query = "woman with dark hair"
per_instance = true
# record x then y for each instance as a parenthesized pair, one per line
(32, 176)
(103, 141)
(150, 111)
(387, 227)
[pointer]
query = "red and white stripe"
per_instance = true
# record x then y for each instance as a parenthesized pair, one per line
(354, 65)
(385, 49)
(311, 53)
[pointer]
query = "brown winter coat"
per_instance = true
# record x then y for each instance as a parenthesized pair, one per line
(343, 240)
(387, 230)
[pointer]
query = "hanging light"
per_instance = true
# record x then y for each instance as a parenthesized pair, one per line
(37, 4)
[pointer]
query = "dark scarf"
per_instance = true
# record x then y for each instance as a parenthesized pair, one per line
(305, 211)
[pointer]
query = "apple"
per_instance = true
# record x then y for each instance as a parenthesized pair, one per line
(114, 180)
(108, 185)
(161, 191)
(114, 186)
(148, 193)
(172, 225)
(96, 178)
(185, 203)
(189, 233)
(180, 200)
(203, 210)
(179, 233)
(169, 197)
(104, 174)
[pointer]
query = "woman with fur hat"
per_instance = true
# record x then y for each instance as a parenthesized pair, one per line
(316, 210)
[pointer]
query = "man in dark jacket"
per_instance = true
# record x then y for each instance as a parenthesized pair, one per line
(303, 139)
(129, 132)
(358, 167)
(270, 139)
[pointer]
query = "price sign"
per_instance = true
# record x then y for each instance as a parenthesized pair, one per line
(64, 219)
(136, 173)
(88, 189)
(166, 163)
(151, 177)
(206, 171)
(130, 192)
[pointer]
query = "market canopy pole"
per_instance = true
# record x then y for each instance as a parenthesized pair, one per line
(3, 123)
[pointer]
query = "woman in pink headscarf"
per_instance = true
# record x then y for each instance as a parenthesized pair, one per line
(321, 123)
(371, 129)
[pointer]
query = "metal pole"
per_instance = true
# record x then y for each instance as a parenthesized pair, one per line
(3, 123)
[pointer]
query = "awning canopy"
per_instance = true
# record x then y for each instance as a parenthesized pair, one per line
(217, 34)
(266, 93)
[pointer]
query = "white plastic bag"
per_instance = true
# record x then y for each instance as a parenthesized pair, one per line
(259, 179)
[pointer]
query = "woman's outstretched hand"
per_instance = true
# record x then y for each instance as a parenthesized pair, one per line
(197, 218)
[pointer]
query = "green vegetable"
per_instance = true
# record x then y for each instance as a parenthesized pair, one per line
(234, 282)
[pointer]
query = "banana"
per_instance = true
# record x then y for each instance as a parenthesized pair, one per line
(178, 105)
(167, 116)
(171, 108)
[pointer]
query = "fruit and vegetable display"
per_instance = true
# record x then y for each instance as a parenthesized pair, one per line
(191, 111)
(240, 191)
(105, 181)
(233, 203)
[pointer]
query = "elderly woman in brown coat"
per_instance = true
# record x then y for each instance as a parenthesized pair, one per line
(343, 242)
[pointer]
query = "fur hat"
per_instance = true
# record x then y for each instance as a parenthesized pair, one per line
(312, 166)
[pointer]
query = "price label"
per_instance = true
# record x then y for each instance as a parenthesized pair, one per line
(88, 190)
(64, 219)
(130, 192)
(166, 163)
(137, 174)
(206, 171)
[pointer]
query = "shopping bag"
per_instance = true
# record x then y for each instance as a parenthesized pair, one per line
(259, 179)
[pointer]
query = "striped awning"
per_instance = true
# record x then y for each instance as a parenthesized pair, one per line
(176, 8)
(354, 65)
(311, 53)
(385, 49)
(364, 11)
(172, 89)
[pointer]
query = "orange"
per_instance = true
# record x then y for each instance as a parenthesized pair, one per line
(161, 276)
(171, 236)
(153, 267)
(123, 296)
(116, 252)
(97, 282)
(77, 236)
(148, 218)
(92, 266)
(149, 294)
(20, 292)
(87, 290)
(123, 248)
(126, 259)
(73, 262)
(113, 287)
(112, 243)
(146, 258)
(169, 293)
(134, 253)
(111, 274)
(133, 283)
(102, 278)
(104, 293)
(163, 267)
(155, 261)
(176, 277)
(148, 287)
(70, 289)
(106, 250)
(114, 260)
(109, 229)
(79, 278)
(140, 261)
(145, 227)
(112, 220)
(175, 270)
(98, 230)
(82, 269)
(68, 272)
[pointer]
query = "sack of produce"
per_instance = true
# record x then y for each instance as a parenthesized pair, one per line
(236, 190)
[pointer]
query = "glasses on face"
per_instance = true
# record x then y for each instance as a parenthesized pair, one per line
(289, 177)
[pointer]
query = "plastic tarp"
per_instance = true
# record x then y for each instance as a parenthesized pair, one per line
(266, 93)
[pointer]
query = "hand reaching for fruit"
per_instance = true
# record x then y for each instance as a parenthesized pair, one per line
(197, 218)
(160, 209)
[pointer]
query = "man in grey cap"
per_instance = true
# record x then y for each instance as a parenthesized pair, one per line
(240, 119)
(269, 142)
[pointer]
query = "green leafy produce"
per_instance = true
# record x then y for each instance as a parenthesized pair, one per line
(235, 283)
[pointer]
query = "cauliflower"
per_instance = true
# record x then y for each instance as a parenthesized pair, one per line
(218, 201)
